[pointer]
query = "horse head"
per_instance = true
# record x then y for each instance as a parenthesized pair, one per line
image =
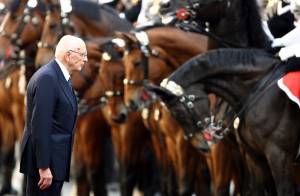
(187, 91)
(83, 79)
(56, 25)
(85, 19)
(111, 74)
(106, 90)
(191, 119)
(20, 29)
(143, 64)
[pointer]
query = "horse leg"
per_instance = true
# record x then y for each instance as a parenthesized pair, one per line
(185, 167)
(202, 177)
(171, 182)
(127, 179)
(297, 178)
(149, 175)
(8, 161)
(221, 168)
(281, 166)
(81, 180)
(255, 180)
(7, 154)
(97, 180)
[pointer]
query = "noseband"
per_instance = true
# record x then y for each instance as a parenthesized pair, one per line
(15, 38)
(211, 130)
(146, 52)
(65, 25)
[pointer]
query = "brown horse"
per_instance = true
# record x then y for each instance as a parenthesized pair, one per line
(12, 122)
(88, 158)
(20, 30)
(87, 20)
(154, 62)
(20, 27)
(128, 135)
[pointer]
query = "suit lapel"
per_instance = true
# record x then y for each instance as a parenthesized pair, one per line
(65, 87)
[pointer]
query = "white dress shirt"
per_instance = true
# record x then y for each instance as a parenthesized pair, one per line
(63, 69)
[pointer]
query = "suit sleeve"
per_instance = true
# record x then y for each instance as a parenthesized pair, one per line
(43, 107)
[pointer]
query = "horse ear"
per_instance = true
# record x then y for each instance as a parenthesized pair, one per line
(162, 93)
(127, 37)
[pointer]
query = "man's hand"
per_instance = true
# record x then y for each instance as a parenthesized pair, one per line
(45, 178)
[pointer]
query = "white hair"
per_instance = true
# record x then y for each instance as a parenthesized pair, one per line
(66, 43)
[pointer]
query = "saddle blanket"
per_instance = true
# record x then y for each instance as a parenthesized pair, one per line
(290, 84)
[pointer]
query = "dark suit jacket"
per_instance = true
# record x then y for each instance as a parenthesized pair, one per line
(50, 121)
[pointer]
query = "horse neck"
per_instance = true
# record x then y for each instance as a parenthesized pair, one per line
(157, 71)
(232, 90)
(95, 91)
(223, 62)
(181, 45)
(104, 22)
(113, 21)
(240, 26)
(90, 27)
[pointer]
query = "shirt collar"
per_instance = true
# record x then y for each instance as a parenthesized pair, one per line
(63, 69)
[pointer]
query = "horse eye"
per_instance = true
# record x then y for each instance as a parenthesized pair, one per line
(136, 63)
(13, 17)
(121, 54)
(52, 25)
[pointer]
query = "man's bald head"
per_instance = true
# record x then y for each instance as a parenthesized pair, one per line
(71, 51)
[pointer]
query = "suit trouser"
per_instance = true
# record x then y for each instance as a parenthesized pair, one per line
(32, 188)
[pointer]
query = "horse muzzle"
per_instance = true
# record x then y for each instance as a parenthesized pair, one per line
(121, 117)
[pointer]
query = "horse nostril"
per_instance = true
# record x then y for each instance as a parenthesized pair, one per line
(121, 118)
(133, 106)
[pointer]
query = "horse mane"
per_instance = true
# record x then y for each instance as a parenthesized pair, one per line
(87, 9)
(221, 62)
(100, 13)
(92, 10)
(252, 19)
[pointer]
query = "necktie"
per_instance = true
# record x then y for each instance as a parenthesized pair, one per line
(70, 83)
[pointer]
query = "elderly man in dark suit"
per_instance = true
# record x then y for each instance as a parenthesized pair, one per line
(50, 120)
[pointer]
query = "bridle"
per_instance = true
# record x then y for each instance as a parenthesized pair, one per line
(146, 52)
(65, 26)
(15, 38)
(106, 56)
(187, 21)
(103, 100)
(211, 130)
(17, 56)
